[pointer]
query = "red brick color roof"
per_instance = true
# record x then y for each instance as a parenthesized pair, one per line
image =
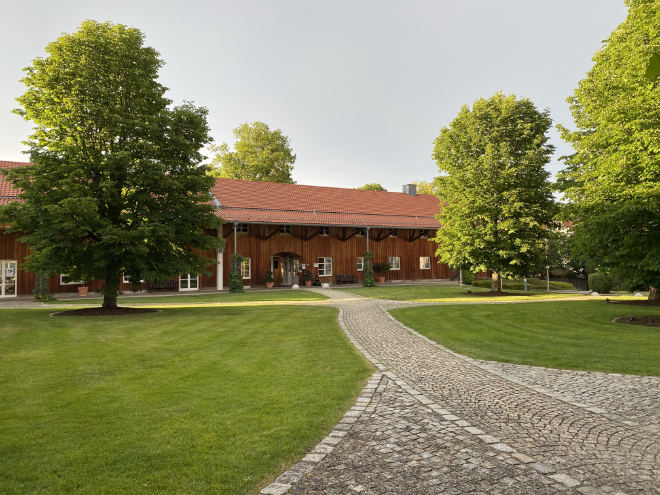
(277, 203)
(7, 191)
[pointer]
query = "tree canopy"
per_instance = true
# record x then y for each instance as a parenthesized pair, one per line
(372, 186)
(259, 155)
(494, 186)
(116, 184)
(424, 187)
(612, 181)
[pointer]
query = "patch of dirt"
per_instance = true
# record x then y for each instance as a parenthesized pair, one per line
(644, 302)
(99, 311)
(651, 321)
(492, 294)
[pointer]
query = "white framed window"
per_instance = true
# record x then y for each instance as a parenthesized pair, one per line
(361, 232)
(127, 280)
(246, 268)
(394, 232)
(325, 231)
(285, 229)
(325, 267)
(395, 262)
(242, 228)
(66, 280)
(360, 263)
(424, 233)
(424, 262)
(188, 282)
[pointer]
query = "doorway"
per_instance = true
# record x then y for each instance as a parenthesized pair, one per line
(285, 268)
(8, 276)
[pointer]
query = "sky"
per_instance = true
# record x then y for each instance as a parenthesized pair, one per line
(361, 88)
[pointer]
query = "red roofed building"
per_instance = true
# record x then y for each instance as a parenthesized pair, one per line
(288, 229)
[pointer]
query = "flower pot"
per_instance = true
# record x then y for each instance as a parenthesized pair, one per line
(269, 285)
(82, 291)
(380, 280)
(308, 283)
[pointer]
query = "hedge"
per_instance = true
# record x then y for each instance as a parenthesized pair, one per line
(532, 284)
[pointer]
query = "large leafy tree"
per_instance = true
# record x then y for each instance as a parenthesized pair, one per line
(497, 198)
(372, 186)
(259, 155)
(612, 181)
(116, 184)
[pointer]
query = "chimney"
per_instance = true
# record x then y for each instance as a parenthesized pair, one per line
(410, 189)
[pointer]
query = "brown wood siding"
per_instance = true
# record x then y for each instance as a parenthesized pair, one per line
(260, 243)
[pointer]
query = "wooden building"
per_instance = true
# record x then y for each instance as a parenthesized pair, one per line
(284, 228)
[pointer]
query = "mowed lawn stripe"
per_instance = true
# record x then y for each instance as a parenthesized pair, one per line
(575, 335)
(214, 400)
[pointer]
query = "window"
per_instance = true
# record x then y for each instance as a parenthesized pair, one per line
(66, 280)
(188, 282)
(424, 262)
(246, 268)
(324, 231)
(424, 233)
(395, 262)
(127, 280)
(360, 263)
(325, 267)
(242, 228)
(394, 232)
(285, 229)
(361, 232)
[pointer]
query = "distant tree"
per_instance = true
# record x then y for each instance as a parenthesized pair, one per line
(492, 158)
(260, 155)
(373, 186)
(116, 184)
(612, 181)
(424, 187)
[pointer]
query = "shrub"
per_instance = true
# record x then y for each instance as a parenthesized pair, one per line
(307, 275)
(368, 271)
(532, 284)
(600, 282)
(382, 267)
(269, 276)
(235, 278)
(467, 276)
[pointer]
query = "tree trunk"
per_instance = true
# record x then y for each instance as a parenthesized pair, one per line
(654, 295)
(495, 285)
(111, 289)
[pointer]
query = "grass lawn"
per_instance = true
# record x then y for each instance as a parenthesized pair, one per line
(196, 400)
(446, 293)
(211, 298)
(563, 334)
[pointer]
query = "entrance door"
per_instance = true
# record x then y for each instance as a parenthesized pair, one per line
(286, 269)
(8, 275)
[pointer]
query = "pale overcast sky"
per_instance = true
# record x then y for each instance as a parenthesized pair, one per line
(362, 88)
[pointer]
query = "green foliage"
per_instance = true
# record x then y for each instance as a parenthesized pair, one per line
(612, 181)
(532, 284)
(116, 184)
(41, 292)
(372, 186)
(653, 69)
(367, 270)
(269, 276)
(467, 276)
(260, 155)
(308, 275)
(600, 282)
(492, 161)
(382, 268)
(424, 187)
(235, 275)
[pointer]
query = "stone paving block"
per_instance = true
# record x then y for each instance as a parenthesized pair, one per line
(275, 489)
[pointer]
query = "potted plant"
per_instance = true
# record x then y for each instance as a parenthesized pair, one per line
(381, 269)
(269, 279)
(307, 277)
(82, 290)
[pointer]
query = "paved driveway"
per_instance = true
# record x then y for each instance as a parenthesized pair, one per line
(441, 423)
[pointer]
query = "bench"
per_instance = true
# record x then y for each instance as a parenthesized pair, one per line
(345, 278)
(171, 284)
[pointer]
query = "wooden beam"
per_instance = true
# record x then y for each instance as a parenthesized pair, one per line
(413, 237)
(227, 229)
(311, 236)
(347, 237)
(275, 231)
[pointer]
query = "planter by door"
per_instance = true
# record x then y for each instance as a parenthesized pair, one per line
(82, 291)
(269, 285)
(380, 280)
(308, 283)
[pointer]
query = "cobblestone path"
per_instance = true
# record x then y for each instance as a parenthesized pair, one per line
(442, 423)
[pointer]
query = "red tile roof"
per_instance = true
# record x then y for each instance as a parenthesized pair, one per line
(7, 191)
(277, 203)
